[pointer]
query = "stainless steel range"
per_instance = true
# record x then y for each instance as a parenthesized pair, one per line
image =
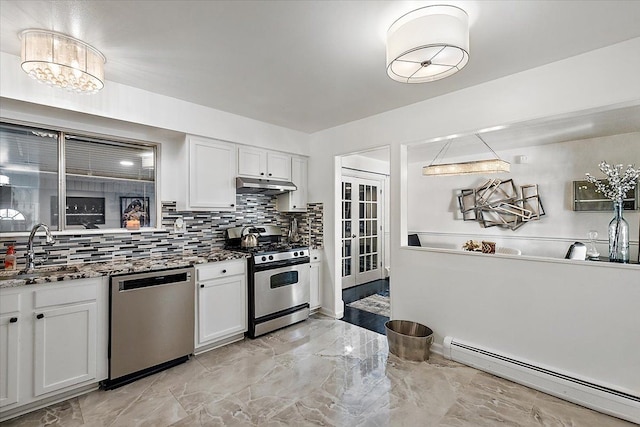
(278, 278)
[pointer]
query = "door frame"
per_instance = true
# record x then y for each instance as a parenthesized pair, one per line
(335, 217)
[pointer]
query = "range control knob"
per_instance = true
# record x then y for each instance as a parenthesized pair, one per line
(301, 253)
(295, 254)
(264, 258)
(270, 257)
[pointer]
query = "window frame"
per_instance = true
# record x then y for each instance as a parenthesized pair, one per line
(61, 229)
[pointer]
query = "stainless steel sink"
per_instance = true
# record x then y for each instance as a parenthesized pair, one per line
(36, 272)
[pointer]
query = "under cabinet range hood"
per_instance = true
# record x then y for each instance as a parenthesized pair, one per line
(269, 187)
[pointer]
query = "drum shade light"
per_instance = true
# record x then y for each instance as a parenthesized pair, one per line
(428, 44)
(62, 61)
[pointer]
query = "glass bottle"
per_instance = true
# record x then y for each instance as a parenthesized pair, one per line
(618, 235)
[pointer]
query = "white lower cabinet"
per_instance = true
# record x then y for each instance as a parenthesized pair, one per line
(65, 347)
(54, 339)
(221, 302)
(315, 298)
(10, 324)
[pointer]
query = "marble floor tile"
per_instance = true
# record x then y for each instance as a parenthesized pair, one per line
(364, 319)
(178, 376)
(550, 411)
(151, 409)
(67, 413)
(418, 393)
(101, 408)
(319, 411)
(239, 409)
(488, 401)
(146, 402)
(321, 372)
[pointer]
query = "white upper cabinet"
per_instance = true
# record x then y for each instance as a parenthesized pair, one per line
(279, 166)
(258, 163)
(252, 162)
(211, 176)
(295, 201)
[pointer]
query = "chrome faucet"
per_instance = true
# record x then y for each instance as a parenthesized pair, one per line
(49, 241)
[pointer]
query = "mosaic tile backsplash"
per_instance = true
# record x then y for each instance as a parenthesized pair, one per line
(203, 231)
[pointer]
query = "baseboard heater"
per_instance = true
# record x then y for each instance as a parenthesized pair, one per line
(603, 399)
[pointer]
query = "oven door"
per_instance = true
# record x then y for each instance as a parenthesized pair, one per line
(280, 289)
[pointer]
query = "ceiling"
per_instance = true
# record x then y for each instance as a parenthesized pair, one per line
(595, 123)
(308, 65)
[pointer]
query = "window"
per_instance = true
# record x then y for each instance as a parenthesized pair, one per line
(105, 182)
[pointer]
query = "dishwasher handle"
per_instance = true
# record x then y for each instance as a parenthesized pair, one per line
(157, 279)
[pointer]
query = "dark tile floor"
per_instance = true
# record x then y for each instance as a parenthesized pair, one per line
(371, 321)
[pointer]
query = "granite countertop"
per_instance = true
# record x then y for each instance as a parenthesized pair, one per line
(52, 274)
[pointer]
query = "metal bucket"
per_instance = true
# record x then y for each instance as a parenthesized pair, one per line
(409, 340)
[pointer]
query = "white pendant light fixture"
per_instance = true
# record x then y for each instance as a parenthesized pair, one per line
(62, 61)
(495, 165)
(428, 44)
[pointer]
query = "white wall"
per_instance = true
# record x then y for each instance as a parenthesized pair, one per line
(572, 316)
(363, 163)
(433, 205)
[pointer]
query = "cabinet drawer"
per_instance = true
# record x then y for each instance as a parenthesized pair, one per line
(216, 270)
(82, 290)
(316, 255)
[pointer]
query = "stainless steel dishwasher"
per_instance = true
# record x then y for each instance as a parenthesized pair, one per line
(151, 323)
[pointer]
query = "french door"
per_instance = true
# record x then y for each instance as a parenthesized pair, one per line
(361, 231)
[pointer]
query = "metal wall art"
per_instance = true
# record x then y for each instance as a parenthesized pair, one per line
(498, 203)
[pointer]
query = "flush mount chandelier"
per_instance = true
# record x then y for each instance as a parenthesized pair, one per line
(62, 61)
(428, 44)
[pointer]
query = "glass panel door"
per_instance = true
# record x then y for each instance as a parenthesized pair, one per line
(348, 278)
(361, 261)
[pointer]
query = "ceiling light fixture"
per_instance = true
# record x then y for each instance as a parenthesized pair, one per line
(496, 165)
(428, 44)
(62, 61)
(126, 162)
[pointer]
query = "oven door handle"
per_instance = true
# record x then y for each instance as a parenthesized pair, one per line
(284, 263)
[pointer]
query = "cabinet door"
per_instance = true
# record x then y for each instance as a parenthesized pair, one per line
(299, 176)
(9, 352)
(65, 347)
(295, 201)
(279, 166)
(314, 297)
(211, 175)
(222, 308)
(252, 162)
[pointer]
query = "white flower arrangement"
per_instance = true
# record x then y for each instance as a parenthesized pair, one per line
(618, 182)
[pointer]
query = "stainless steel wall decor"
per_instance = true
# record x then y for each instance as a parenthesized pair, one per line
(498, 203)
